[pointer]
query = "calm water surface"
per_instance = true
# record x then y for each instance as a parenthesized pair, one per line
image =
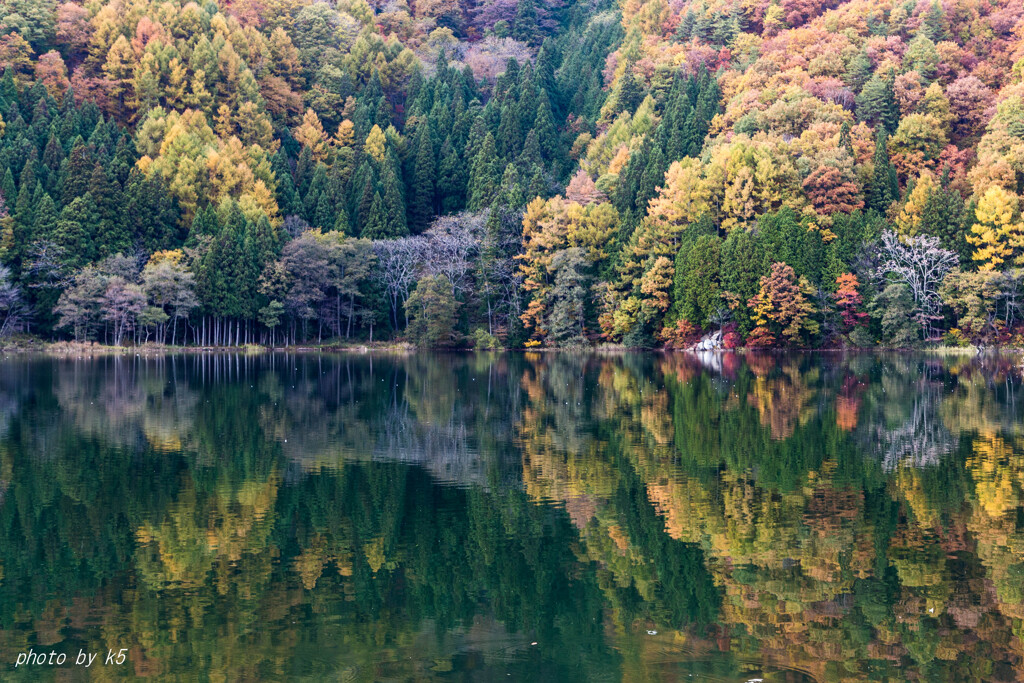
(511, 517)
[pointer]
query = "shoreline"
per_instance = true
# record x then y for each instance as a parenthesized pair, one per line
(39, 347)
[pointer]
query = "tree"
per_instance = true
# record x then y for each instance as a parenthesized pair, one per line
(121, 304)
(848, 301)
(432, 313)
(350, 265)
(783, 306)
(13, 311)
(697, 290)
(170, 287)
(998, 232)
(75, 231)
(884, 186)
(484, 175)
(397, 264)
(919, 264)
(876, 104)
(566, 321)
(891, 305)
(831, 191)
(975, 298)
(421, 192)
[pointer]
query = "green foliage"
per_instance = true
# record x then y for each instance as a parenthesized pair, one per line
(433, 313)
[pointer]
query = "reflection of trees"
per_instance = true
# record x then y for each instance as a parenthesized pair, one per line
(904, 425)
(296, 527)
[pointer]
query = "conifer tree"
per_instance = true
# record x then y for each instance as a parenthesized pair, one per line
(421, 190)
(484, 176)
(451, 179)
(375, 226)
(75, 231)
(112, 236)
(883, 188)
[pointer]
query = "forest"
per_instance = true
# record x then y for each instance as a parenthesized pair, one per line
(513, 173)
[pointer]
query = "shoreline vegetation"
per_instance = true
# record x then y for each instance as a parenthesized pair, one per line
(28, 345)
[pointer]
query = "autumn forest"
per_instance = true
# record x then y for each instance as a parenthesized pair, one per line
(513, 173)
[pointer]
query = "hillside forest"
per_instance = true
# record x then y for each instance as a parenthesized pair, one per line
(513, 173)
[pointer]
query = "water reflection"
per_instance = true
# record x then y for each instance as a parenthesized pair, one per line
(556, 517)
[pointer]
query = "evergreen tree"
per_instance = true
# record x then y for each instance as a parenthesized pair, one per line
(112, 236)
(484, 176)
(696, 286)
(421, 190)
(933, 26)
(44, 214)
(151, 213)
(375, 227)
(876, 104)
(652, 178)
(631, 94)
(883, 188)
(77, 172)
(75, 231)
(395, 222)
(546, 132)
(524, 24)
(451, 179)
(946, 216)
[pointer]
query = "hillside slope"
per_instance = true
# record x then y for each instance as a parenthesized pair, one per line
(542, 172)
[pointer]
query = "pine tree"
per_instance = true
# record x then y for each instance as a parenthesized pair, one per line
(375, 226)
(653, 177)
(421, 190)
(75, 231)
(630, 92)
(151, 213)
(876, 104)
(484, 176)
(475, 140)
(7, 188)
(77, 172)
(44, 215)
(394, 203)
(883, 188)
(934, 23)
(365, 201)
(112, 237)
(318, 186)
(524, 24)
(510, 131)
(511, 192)
(451, 180)
(206, 223)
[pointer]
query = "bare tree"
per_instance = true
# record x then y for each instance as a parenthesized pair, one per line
(12, 307)
(920, 264)
(122, 303)
(452, 245)
(398, 264)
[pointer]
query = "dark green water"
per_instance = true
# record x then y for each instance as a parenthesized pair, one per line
(510, 517)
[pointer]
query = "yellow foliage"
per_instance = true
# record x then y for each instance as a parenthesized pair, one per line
(312, 136)
(998, 233)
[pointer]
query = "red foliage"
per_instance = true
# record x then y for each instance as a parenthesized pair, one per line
(849, 301)
(760, 337)
(830, 193)
(730, 337)
(683, 334)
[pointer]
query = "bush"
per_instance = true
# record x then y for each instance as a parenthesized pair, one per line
(955, 338)
(485, 341)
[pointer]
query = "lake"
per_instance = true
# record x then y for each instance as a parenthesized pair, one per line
(537, 517)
